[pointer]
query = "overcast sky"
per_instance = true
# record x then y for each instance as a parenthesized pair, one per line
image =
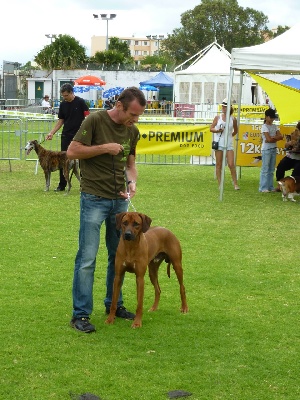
(24, 23)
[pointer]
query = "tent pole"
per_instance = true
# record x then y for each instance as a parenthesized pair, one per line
(229, 90)
(239, 118)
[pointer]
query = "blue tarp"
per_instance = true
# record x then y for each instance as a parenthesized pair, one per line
(292, 82)
(159, 80)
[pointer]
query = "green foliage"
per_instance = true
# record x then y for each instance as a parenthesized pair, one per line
(224, 21)
(281, 29)
(64, 53)
(157, 61)
(240, 339)
(118, 53)
(119, 46)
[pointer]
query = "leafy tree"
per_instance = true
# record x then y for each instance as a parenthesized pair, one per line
(280, 30)
(64, 53)
(119, 46)
(118, 53)
(221, 20)
(157, 61)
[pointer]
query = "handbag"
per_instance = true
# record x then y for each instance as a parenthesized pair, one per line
(215, 143)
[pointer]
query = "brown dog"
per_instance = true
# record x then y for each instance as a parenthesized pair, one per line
(52, 161)
(290, 187)
(141, 246)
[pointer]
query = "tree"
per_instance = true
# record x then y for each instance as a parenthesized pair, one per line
(221, 20)
(157, 61)
(280, 29)
(118, 53)
(64, 53)
(120, 47)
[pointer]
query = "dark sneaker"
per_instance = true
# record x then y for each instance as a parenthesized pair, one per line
(82, 325)
(122, 313)
(59, 189)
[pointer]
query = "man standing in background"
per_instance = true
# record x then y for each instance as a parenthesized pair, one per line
(72, 111)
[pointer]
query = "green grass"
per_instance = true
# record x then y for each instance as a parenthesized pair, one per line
(240, 339)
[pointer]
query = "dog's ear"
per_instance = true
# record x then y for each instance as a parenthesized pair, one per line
(146, 222)
(119, 218)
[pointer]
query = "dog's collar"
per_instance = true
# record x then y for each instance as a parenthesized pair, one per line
(293, 178)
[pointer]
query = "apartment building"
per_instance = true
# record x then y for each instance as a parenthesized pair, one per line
(139, 47)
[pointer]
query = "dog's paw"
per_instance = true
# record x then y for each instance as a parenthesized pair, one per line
(136, 324)
(110, 320)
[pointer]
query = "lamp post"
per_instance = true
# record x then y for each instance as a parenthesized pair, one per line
(51, 36)
(158, 38)
(106, 17)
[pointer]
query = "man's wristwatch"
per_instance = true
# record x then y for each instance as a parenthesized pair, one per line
(129, 182)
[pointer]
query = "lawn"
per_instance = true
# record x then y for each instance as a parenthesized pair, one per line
(240, 339)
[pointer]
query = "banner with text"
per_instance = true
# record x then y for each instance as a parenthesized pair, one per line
(174, 139)
(249, 145)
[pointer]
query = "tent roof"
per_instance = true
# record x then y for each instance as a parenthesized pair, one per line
(159, 80)
(214, 59)
(292, 82)
(280, 54)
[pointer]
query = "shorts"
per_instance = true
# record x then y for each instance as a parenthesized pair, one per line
(222, 148)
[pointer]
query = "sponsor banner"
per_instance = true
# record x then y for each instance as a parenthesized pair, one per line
(249, 145)
(250, 111)
(174, 139)
(16, 113)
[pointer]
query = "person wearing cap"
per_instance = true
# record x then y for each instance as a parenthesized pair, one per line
(218, 129)
(270, 136)
(45, 103)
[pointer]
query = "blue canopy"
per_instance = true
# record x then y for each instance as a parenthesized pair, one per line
(112, 92)
(83, 89)
(159, 80)
(292, 82)
(148, 88)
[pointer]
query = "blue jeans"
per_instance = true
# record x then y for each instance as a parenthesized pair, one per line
(267, 169)
(94, 211)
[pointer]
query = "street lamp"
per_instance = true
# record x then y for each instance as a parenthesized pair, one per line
(106, 18)
(158, 38)
(51, 36)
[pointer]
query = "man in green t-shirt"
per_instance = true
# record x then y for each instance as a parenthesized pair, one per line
(105, 144)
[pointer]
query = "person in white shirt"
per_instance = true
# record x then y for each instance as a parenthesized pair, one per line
(46, 104)
(218, 129)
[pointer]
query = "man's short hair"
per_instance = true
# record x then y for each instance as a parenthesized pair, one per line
(130, 94)
(66, 87)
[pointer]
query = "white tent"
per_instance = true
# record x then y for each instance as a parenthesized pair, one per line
(279, 55)
(203, 78)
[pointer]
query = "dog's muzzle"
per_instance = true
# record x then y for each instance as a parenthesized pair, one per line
(128, 235)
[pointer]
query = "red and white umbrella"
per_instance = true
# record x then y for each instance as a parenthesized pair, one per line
(89, 80)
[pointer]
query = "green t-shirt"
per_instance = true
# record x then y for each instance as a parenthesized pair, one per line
(103, 175)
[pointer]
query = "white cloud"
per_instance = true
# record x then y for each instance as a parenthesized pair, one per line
(25, 23)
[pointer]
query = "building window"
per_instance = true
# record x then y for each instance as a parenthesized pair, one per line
(145, 53)
(136, 52)
(145, 43)
(136, 42)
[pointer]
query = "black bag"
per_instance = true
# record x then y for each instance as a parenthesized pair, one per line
(215, 145)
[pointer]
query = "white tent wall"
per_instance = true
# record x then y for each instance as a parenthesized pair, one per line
(205, 81)
(209, 90)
